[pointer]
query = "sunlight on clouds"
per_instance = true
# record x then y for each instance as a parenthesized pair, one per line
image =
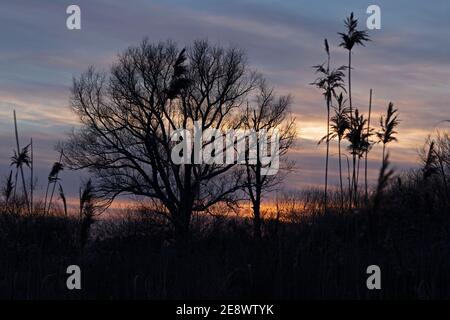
(37, 65)
(37, 113)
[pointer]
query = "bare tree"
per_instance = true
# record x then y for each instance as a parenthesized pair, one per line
(130, 115)
(269, 114)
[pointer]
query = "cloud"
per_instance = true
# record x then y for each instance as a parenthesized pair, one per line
(406, 63)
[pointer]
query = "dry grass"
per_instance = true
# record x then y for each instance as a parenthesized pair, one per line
(315, 257)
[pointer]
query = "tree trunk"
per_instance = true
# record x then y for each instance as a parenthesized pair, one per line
(350, 83)
(15, 186)
(340, 173)
(182, 219)
(349, 184)
(32, 176)
(351, 121)
(257, 219)
(366, 194)
(328, 152)
(357, 181)
(354, 184)
(46, 195)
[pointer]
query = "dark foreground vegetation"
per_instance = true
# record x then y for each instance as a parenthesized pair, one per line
(311, 256)
(315, 245)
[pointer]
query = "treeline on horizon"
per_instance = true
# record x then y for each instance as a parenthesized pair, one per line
(315, 243)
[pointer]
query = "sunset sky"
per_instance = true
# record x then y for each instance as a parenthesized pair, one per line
(408, 63)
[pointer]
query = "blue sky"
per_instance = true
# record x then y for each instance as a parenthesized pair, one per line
(408, 63)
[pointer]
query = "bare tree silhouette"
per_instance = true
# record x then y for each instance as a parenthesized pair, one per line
(268, 113)
(130, 115)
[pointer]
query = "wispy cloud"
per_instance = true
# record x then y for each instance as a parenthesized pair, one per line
(407, 63)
